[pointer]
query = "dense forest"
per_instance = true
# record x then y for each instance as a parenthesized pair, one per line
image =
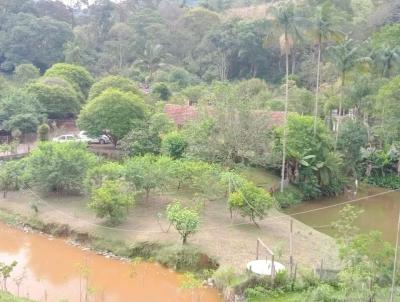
(334, 60)
(191, 93)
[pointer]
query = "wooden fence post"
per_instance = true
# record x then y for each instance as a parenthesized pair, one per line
(291, 248)
(321, 269)
(258, 246)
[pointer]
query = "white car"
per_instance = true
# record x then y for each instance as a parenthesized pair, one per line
(102, 139)
(66, 138)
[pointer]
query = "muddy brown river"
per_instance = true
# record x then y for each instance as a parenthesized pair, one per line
(380, 212)
(53, 271)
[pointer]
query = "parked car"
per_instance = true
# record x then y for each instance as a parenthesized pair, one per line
(102, 139)
(66, 138)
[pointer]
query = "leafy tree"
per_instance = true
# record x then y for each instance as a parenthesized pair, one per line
(118, 47)
(387, 110)
(113, 111)
(174, 145)
(387, 35)
(61, 168)
(368, 264)
(234, 131)
(5, 271)
(345, 55)
(185, 220)
(10, 176)
(26, 123)
(26, 38)
(77, 76)
(20, 109)
(115, 82)
(56, 96)
(250, 201)
(147, 138)
(162, 91)
(311, 161)
(351, 139)
(112, 200)
(26, 72)
(108, 171)
(151, 59)
(323, 28)
(148, 172)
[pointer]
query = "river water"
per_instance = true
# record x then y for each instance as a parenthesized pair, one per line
(380, 212)
(54, 271)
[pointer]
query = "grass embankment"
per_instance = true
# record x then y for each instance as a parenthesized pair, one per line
(6, 297)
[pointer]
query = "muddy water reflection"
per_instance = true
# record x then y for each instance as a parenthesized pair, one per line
(380, 212)
(51, 274)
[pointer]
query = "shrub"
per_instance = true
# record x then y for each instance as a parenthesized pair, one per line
(174, 145)
(162, 91)
(324, 293)
(389, 181)
(288, 198)
(61, 168)
(225, 277)
(184, 258)
(43, 132)
(112, 200)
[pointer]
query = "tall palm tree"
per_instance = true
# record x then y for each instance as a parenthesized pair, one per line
(152, 59)
(323, 28)
(345, 55)
(287, 22)
(385, 57)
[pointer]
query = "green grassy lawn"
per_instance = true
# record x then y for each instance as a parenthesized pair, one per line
(6, 297)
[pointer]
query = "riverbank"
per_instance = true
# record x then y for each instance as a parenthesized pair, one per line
(49, 269)
(231, 242)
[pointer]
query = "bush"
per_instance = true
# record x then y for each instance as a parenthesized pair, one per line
(174, 145)
(257, 292)
(389, 181)
(112, 200)
(43, 132)
(59, 167)
(324, 293)
(225, 277)
(184, 258)
(288, 198)
(162, 91)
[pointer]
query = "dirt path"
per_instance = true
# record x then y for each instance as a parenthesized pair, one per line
(232, 242)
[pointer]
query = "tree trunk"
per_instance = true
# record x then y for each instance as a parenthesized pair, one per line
(285, 113)
(184, 239)
(317, 87)
(293, 60)
(340, 108)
